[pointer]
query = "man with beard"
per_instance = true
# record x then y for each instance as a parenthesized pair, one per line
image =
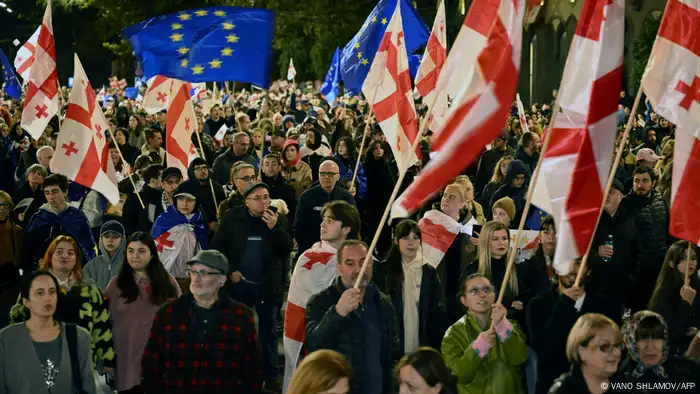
(651, 217)
(551, 316)
(358, 323)
(529, 150)
(199, 170)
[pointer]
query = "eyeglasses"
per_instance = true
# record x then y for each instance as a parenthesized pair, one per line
(203, 274)
(259, 198)
(607, 348)
(327, 174)
(476, 290)
(247, 178)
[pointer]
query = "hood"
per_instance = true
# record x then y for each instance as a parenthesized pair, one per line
(119, 255)
(318, 139)
(629, 331)
(287, 118)
(197, 161)
(287, 144)
(190, 186)
(516, 167)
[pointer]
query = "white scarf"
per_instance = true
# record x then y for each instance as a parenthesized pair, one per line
(412, 276)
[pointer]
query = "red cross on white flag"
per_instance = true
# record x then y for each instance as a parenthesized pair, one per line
(157, 96)
(41, 101)
(181, 122)
(388, 89)
(82, 152)
(25, 56)
(672, 84)
(291, 70)
(430, 68)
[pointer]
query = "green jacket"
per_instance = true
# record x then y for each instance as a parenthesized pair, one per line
(497, 373)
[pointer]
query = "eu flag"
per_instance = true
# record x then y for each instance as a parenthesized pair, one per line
(12, 85)
(206, 44)
(331, 86)
(358, 54)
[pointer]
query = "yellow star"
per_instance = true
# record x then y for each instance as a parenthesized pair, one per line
(176, 26)
(197, 69)
(384, 21)
(228, 25)
(185, 17)
(220, 13)
(201, 12)
(183, 50)
(359, 55)
(176, 37)
(184, 63)
(357, 45)
(232, 38)
(364, 62)
(374, 19)
(216, 63)
(226, 52)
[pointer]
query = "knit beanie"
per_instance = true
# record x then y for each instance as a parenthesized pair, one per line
(506, 204)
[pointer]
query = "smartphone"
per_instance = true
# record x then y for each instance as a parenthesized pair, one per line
(476, 230)
(273, 209)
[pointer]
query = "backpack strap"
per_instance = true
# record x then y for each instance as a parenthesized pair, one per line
(72, 338)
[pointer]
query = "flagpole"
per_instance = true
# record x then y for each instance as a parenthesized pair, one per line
(116, 145)
(528, 201)
(211, 184)
(362, 145)
(686, 282)
(611, 178)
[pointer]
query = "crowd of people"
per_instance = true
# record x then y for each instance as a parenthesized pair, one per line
(189, 282)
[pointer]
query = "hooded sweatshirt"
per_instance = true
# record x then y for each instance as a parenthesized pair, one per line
(103, 268)
(518, 194)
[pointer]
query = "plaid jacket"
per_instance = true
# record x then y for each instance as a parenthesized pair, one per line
(227, 360)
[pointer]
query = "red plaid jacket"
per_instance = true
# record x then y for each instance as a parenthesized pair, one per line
(226, 361)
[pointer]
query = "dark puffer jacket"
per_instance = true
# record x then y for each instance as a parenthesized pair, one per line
(651, 216)
(326, 329)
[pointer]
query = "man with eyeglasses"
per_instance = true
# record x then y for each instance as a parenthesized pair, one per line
(254, 239)
(199, 171)
(204, 341)
(488, 161)
(552, 315)
(307, 220)
(242, 176)
(54, 218)
(239, 151)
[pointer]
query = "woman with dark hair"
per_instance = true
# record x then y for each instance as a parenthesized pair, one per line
(381, 177)
(43, 355)
(674, 300)
(346, 157)
(135, 296)
(648, 359)
(424, 372)
(129, 151)
(414, 289)
(137, 137)
(497, 180)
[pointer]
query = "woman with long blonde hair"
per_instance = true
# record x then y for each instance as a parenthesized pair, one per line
(322, 372)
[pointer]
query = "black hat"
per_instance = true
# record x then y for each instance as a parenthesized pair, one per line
(617, 184)
(188, 188)
(254, 187)
(171, 171)
(311, 119)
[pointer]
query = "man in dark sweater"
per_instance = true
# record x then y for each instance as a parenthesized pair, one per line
(141, 218)
(237, 152)
(279, 188)
(529, 150)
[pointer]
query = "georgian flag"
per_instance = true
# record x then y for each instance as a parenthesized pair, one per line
(25, 56)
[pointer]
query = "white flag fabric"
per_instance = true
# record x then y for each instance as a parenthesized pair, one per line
(388, 89)
(430, 68)
(82, 153)
(157, 96)
(576, 166)
(672, 84)
(291, 71)
(521, 114)
(438, 231)
(314, 272)
(41, 100)
(181, 122)
(25, 56)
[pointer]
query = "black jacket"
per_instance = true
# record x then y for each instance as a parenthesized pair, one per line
(487, 163)
(281, 190)
(572, 382)
(221, 171)
(135, 218)
(651, 217)
(307, 220)
(208, 204)
(326, 329)
(432, 316)
(679, 370)
(679, 315)
(231, 239)
(518, 194)
(25, 191)
(530, 161)
(550, 317)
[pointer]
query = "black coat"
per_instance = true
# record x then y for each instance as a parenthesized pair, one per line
(550, 317)
(679, 315)
(529, 161)
(307, 220)
(651, 217)
(281, 190)
(679, 370)
(25, 191)
(572, 382)
(134, 217)
(432, 315)
(487, 163)
(231, 239)
(326, 329)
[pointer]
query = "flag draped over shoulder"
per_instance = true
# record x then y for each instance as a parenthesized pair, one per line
(438, 231)
(206, 44)
(314, 272)
(358, 54)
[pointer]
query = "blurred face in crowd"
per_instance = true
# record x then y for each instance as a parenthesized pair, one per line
(650, 351)
(349, 269)
(206, 281)
(55, 197)
(504, 167)
(613, 201)
(119, 137)
(133, 122)
(277, 143)
(111, 242)
(411, 382)
(468, 188)
(258, 201)
(499, 243)
(342, 149)
(518, 180)
(241, 145)
(43, 297)
(63, 258)
(683, 264)
(185, 204)
(291, 153)
(112, 126)
(409, 246)
(258, 138)
(479, 295)
(499, 143)
(500, 215)
(138, 255)
(244, 178)
(310, 136)
(170, 184)
(380, 137)
(651, 136)
(663, 122)
(114, 154)
(4, 208)
(643, 185)
(378, 151)
(271, 167)
(245, 123)
(228, 112)
(277, 120)
(214, 112)
(548, 237)
(567, 281)
(536, 144)
(328, 175)
(451, 202)
(45, 157)
(156, 141)
(201, 172)
(332, 229)
(35, 179)
(602, 353)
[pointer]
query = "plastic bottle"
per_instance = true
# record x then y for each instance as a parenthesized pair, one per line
(611, 244)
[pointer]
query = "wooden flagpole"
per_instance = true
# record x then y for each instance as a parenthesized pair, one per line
(368, 118)
(611, 178)
(211, 184)
(116, 144)
(687, 265)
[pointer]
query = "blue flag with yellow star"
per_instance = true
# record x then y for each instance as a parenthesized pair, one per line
(206, 44)
(12, 85)
(358, 54)
(331, 85)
